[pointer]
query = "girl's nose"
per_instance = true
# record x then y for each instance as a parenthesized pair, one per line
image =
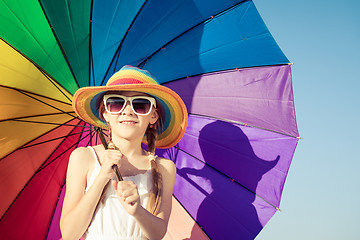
(127, 110)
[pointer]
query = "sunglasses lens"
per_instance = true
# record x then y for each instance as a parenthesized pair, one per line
(141, 105)
(115, 104)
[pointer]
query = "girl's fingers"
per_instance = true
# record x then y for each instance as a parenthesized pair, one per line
(111, 157)
(114, 184)
(128, 193)
(131, 199)
(126, 190)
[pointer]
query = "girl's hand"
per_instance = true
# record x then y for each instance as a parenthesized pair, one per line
(128, 196)
(110, 158)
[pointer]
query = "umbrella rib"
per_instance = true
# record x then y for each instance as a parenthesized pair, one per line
(53, 214)
(142, 64)
(91, 66)
(36, 40)
(59, 44)
(243, 124)
(51, 80)
(226, 70)
(62, 188)
(45, 165)
(117, 52)
(225, 175)
(92, 134)
(37, 171)
(33, 116)
(49, 123)
(44, 102)
(23, 91)
(191, 216)
(220, 207)
(32, 140)
(53, 139)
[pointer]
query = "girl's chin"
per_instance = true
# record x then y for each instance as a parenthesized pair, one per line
(128, 131)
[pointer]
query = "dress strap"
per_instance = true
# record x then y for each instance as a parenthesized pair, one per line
(95, 154)
(95, 171)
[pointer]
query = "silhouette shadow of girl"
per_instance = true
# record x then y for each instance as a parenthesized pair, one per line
(225, 177)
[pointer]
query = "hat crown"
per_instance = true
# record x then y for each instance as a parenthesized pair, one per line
(131, 75)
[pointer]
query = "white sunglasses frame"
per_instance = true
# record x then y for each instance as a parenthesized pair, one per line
(129, 99)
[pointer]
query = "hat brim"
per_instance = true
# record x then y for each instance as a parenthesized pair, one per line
(174, 109)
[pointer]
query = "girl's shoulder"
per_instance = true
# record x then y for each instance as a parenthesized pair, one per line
(83, 155)
(81, 151)
(166, 166)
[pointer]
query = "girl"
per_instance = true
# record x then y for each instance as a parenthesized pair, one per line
(131, 105)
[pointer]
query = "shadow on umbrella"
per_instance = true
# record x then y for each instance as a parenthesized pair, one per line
(227, 207)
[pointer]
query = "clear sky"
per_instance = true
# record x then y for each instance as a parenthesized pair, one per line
(322, 193)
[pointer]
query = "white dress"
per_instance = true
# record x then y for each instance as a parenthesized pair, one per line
(110, 220)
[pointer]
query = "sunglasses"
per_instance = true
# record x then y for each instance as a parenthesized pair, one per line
(141, 105)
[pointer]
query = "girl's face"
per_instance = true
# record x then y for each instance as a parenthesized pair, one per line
(127, 124)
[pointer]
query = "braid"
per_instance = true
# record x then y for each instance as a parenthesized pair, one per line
(155, 194)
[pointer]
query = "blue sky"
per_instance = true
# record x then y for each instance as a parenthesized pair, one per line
(321, 195)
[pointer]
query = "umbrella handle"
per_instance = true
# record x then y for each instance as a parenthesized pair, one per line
(112, 147)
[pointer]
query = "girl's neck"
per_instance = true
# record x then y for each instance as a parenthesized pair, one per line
(129, 149)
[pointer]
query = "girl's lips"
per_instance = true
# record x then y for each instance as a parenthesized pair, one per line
(128, 122)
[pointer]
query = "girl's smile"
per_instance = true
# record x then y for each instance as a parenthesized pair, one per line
(128, 122)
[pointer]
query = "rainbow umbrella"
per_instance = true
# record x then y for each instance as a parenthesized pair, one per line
(217, 55)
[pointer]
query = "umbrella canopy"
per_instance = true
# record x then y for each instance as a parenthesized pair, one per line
(217, 55)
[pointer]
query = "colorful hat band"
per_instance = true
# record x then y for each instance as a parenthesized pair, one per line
(124, 81)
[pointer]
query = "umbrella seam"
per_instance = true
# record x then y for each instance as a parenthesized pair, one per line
(159, 22)
(48, 183)
(234, 43)
(35, 116)
(53, 214)
(215, 202)
(231, 150)
(239, 97)
(118, 50)
(62, 50)
(232, 69)
(43, 135)
(232, 179)
(40, 168)
(91, 67)
(46, 75)
(23, 147)
(45, 165)
(43, 96)
(241, 123)
(33, 37)
(43, 102)
(107, 37)
(191, 216)
(142, 64)
(60, 124)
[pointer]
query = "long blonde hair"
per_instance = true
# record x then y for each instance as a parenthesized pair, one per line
(156, 191)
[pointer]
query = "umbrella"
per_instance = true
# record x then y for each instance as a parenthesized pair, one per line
(217, 55)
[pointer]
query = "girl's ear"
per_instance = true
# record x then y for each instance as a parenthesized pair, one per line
(154, 117)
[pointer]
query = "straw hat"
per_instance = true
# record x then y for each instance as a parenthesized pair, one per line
(172, 109)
